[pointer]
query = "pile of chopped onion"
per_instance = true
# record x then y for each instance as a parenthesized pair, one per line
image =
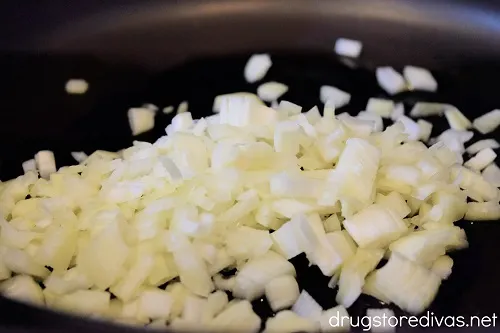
(142, 236)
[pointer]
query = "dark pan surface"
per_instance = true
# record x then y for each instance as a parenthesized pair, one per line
(38, 114)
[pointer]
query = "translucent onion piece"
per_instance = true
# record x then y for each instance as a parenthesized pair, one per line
(390, 80)
(419, 78)
(257, 67)
(348, 47)
(353, 275)
(488, 122)
(271, 91)
(408, 285)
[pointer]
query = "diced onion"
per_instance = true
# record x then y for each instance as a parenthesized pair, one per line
(271, 91)
(408, 285)
(483, 211)
(282, 292)
(45, 163)
(257, 67)
(168, 109)
(488, 122)
(425, 109)
(335, 96)
(390, 80)
(29, 165)
(353, 275)
(183, 107)
(348, 47)
(425, 130)
(220, 100)
(457, 120)
(419, 78)
(481, 160)
(492, 174)
(381, 107)
(22, 288)
(76, 86)
(141, 120)
(79, 156)
(307, 307)
(482, 144)
(442, 267)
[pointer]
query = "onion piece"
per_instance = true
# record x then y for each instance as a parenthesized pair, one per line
(307, 307)
(221, 99)
(141, 120)
(411, 128)
(419, 78)
(85, 302)
(353, 275)
(22, 288)
(381, 107)
(29, 165)
(216, 302)
(168, 109)
(394, 202)
(76, 86)
(246, 243)
(375, 227)
(354, 189)
(442, 267)
(183, 107)
(286, 241)
(484, 158)
(181, 122)
(483, 211)
(376, 120)
(334, 96)
(289, 109)
(271, 91)
(424, 247)
(348, 47)
(256, 67)
(79, 156)
(66, 282)
(46, 163)
(282, 292)
(390, 80)
(426, 109)
(488, 122)
(398, 111)
(457, 120)
(471, 181)
(20, 262)
(253, 276)
(492, 174)
(194, 308)
(332, 223)
(408, 285)
(425, 130)
(104, 256)
(454, 140)
(155, 304)
(482, 144)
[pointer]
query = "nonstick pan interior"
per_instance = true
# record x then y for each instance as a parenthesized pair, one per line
(40, 115)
